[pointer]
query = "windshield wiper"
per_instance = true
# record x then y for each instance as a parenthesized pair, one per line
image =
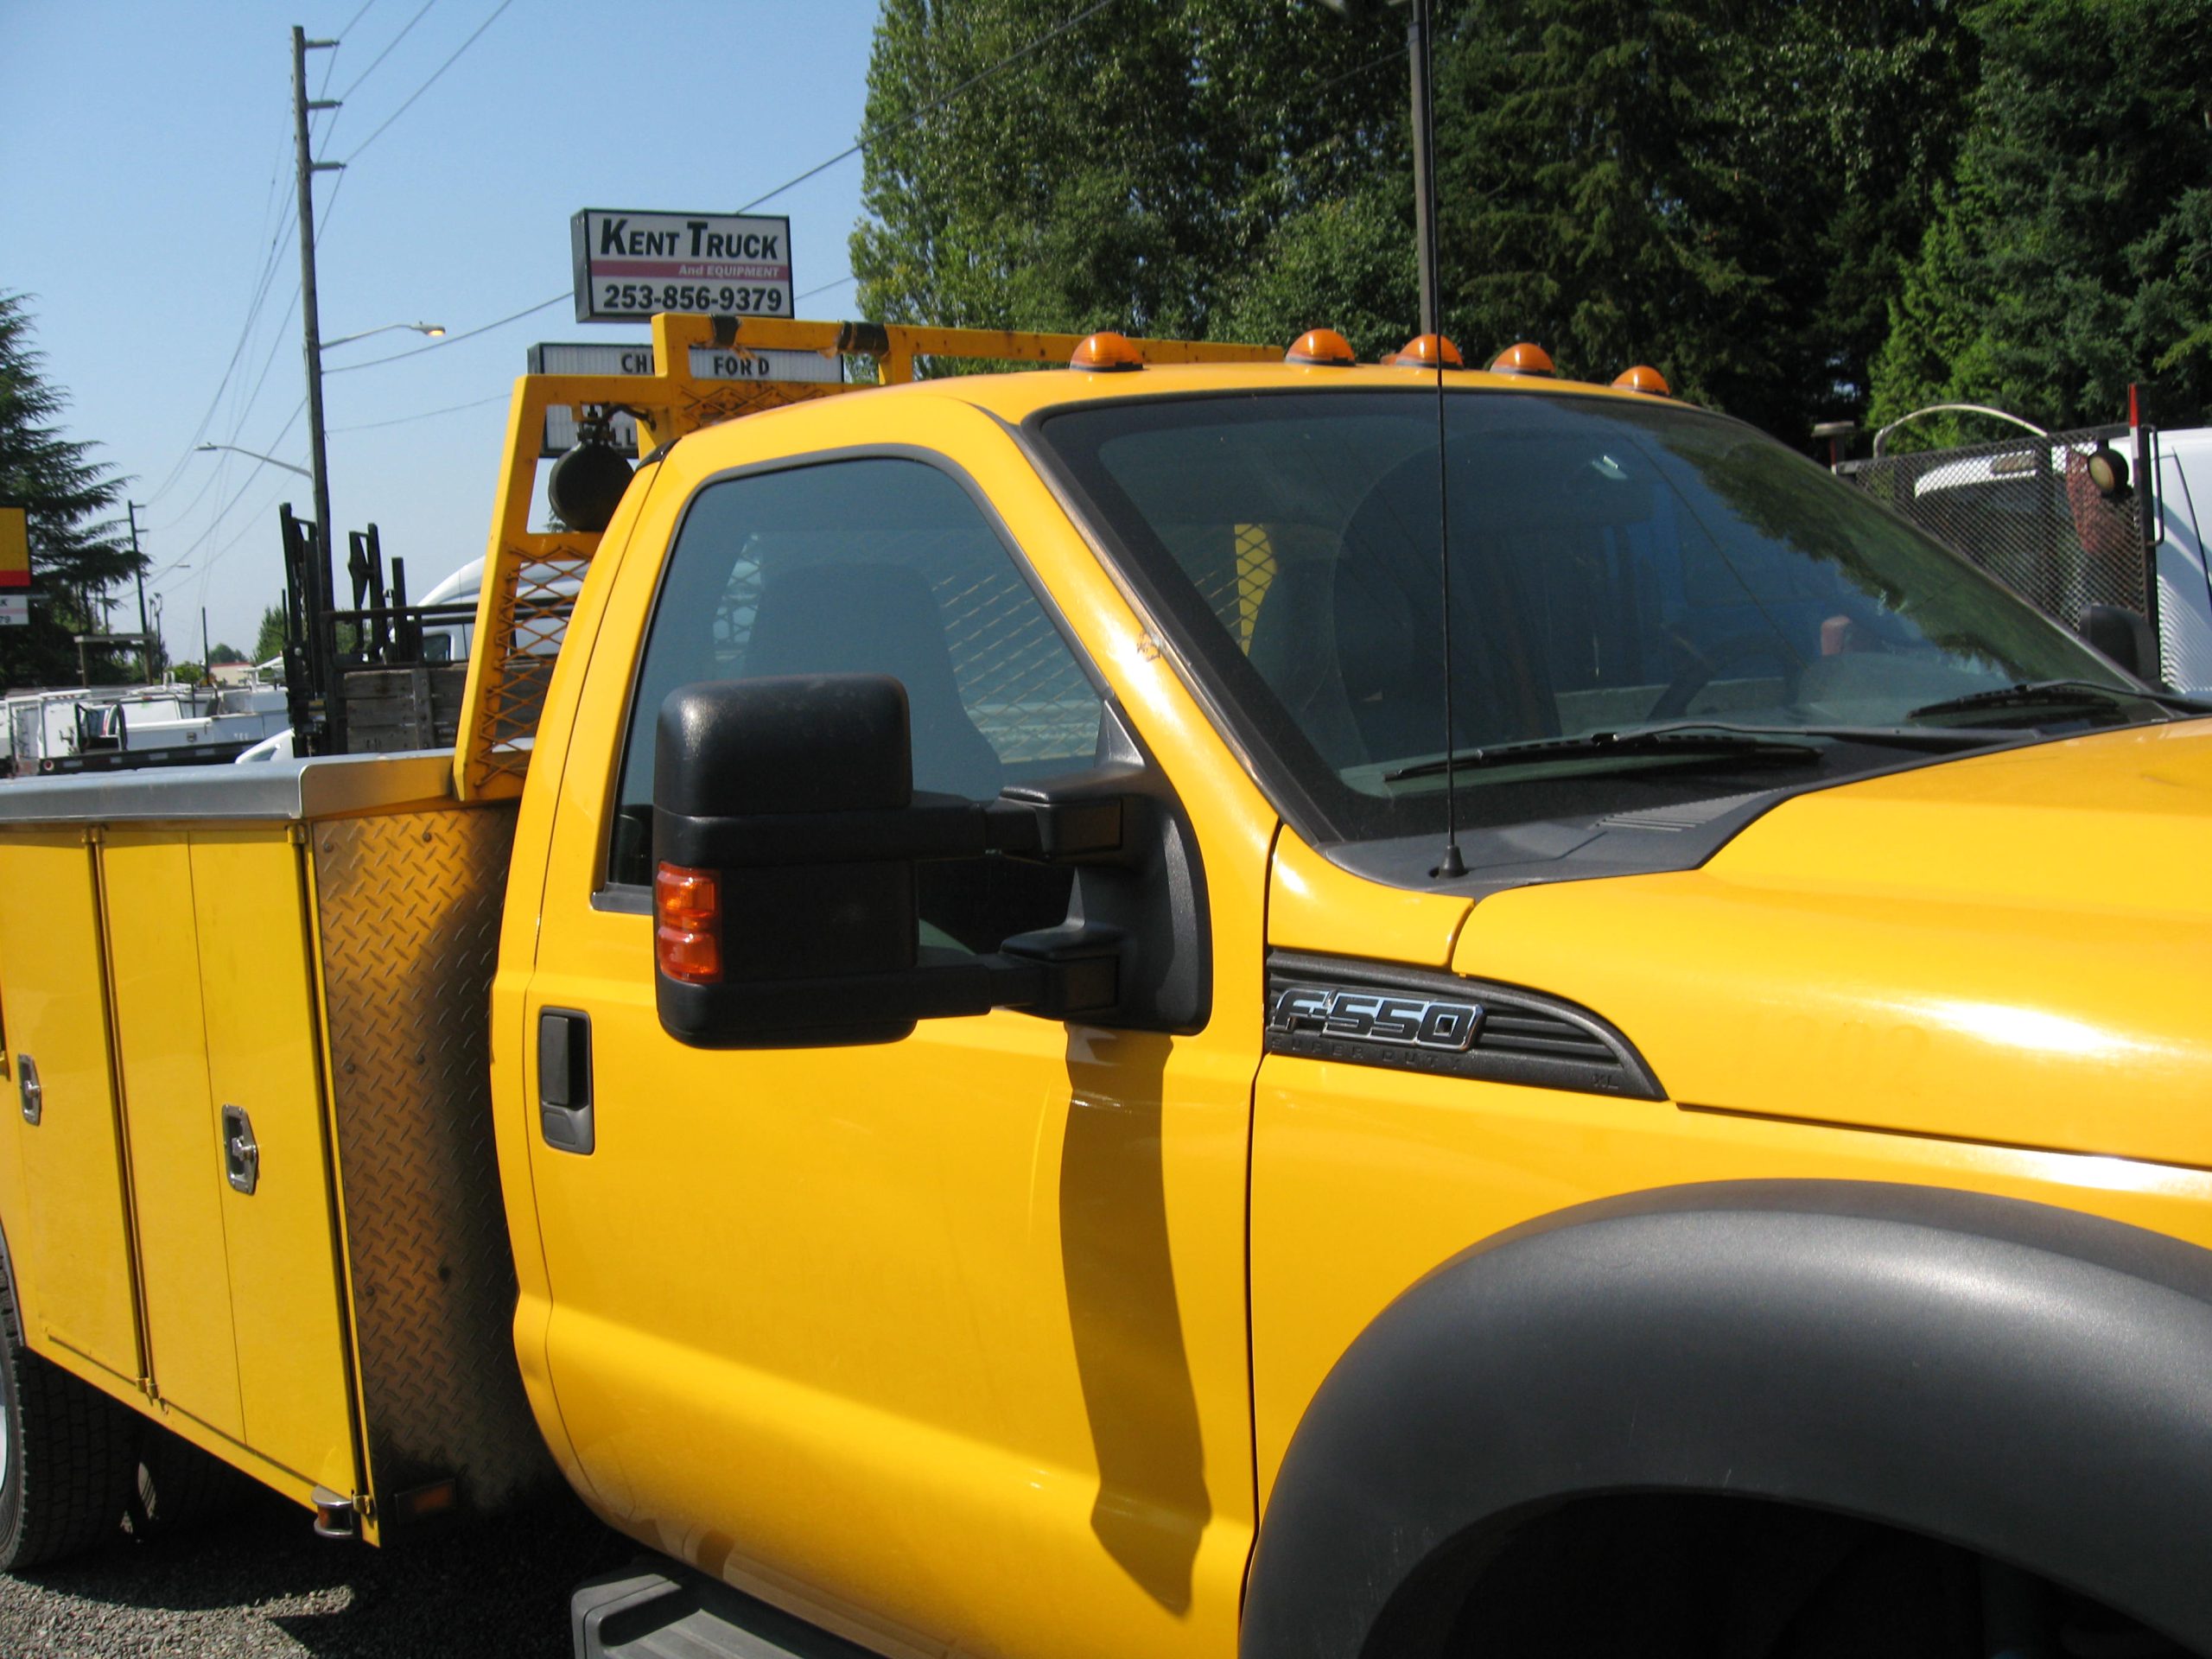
(2035, 694)
(1688, 739)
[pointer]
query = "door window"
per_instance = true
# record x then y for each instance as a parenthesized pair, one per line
(880, 566)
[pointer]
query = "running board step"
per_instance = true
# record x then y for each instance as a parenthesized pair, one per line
(656, 1609)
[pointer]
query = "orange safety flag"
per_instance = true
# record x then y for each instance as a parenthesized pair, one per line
(15, 548)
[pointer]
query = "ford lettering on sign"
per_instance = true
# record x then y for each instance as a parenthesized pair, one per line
(707, 363)
(628, 265)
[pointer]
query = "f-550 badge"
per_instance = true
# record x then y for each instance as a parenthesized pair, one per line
(1378, 1017)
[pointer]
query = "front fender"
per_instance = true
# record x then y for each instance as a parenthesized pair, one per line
(2025, 1381)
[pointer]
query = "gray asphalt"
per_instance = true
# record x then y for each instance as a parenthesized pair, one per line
(260, 1583)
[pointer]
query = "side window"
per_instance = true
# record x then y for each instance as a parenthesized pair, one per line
(876, 566)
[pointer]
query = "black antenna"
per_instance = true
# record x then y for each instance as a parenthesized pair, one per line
(1431, 328)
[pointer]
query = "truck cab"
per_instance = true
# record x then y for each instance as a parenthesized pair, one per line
(1196, 1004)
(1430, 1120)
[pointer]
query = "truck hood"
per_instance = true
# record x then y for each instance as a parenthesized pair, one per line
(2014, 949)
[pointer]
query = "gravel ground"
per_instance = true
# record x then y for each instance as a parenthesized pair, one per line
(260, 1583)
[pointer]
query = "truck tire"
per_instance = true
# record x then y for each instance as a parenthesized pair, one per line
(67, 1454)
(178, 1486)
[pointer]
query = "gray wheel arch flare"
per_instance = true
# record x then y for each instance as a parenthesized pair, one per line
(2026, 1381)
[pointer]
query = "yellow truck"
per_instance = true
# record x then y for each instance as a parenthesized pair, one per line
(1011, 1036)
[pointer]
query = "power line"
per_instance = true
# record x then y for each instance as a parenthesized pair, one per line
(453, 340)
(938, 102)
(386, 53)
(427, 84)
(824, 289)
(908, 119)
(228, 507)
(451, 409)
(245, 333)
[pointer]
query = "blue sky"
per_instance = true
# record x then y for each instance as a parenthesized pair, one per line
(146, 188)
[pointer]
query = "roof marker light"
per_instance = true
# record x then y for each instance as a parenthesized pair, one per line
(1321, 348)
(1107, 352)
(1425, 351)
(1526, 358)
(1643, 378)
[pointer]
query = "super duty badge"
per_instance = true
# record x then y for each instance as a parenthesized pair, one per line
(1377, 1017)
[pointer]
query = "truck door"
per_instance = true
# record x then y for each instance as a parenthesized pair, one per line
(943, 1339)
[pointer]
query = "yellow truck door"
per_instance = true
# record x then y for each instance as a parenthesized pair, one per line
(940, 1340)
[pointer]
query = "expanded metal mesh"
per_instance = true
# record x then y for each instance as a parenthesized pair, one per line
(2024, 509)
(1017, 680)
(529, 626)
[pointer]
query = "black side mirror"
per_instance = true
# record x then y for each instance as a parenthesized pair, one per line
(2125, 636)
(786, 833)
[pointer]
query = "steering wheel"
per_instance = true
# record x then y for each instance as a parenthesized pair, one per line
(1705, 667)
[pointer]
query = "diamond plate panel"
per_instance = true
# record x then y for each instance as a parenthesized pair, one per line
(410, 910)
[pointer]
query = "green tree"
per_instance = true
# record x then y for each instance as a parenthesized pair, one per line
(1130, 173)
(270, 642)
(2073, 253)
(222, 655)
(75, 551)
(1727, 191)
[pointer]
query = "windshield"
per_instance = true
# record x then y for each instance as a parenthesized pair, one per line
(1614, 566)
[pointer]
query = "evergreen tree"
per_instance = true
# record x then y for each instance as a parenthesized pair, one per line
(1729, 190)
(1725, 190)
(2073, 254)
(75, 550)
(1128, 174)
(270, 641)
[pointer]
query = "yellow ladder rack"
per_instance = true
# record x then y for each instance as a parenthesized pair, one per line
(531, 577)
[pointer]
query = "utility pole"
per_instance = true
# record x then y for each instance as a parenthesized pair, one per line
(145, 638)
(324, 601)
(1424, 137)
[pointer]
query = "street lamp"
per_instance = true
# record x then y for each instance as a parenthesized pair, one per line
(258, 456)
(433, 330)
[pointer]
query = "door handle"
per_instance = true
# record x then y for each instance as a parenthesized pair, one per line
(241, 1152)
(32, 1091)
(564, 1115)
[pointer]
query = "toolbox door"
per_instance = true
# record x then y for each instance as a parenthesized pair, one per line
(72, 1250)
(176, 1149)
(264, 1074)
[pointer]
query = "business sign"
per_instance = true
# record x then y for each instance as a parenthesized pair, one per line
(14, 548)
(14, 610)
(629, 265)
(707, 363)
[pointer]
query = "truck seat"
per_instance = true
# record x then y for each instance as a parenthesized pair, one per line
(876, 619)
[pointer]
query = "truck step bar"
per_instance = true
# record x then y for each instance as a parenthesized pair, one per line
(656, 1609)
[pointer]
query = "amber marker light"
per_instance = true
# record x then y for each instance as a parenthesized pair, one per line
(1321, 348)
(1643, 378)
(1427, 351)
(688, 923)
(1106, 353)
(1526, 358)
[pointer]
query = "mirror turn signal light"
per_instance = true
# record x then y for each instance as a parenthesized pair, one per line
(1425, 352)
(1321, 348)
(1107, 352)
(1643, 378)
(1525, 358)
(688, 923)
